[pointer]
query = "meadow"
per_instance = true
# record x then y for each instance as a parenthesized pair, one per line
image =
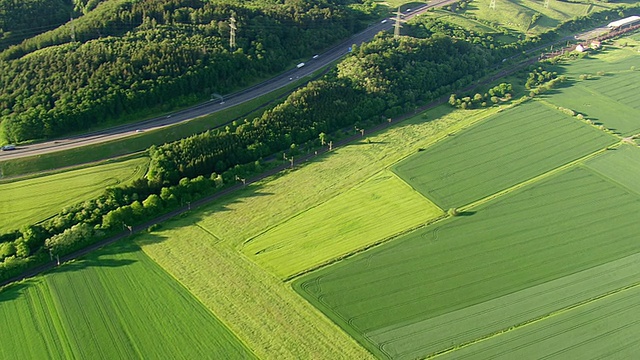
(28, 201)
(113, 304)
(202, 250)
(611, 98)
(604, 328)
(517, 16)
(385, 297)
(386, 207)
(506, 149)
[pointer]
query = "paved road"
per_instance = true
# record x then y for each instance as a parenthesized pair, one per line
(316, 63)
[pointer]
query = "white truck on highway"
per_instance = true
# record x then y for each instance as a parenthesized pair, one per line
(300, 65)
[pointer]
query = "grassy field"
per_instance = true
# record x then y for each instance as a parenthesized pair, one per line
(114, 304)
(265, 204)
(610, 98)
(29, 201)
(462, 21)
(520, 240)
(379, 208)
(513, 146)
(606, 328)
(517, 15)
(264, 312)
(202, 249)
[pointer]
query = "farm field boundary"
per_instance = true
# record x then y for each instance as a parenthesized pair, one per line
(103, 306)
(28, 201)
(385, 207)
(610, 99)
(510, 312)
(525, 239)
(604, 327)
(264, 312)
(502, 151)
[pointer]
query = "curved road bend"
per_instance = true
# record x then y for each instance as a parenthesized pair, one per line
(277, 82)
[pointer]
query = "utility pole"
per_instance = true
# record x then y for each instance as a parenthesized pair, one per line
(73, 31)
(397, 26)
(233, 27)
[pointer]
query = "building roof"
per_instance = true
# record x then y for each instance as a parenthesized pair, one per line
(625, 21)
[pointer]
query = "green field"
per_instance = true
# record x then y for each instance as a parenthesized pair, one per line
(490, 320)
(612, 99)
(29, 201)
(620, 166)
(606, 328)
(263, 311)
(381, 207)
(265, 204)
(564, 224)
(517, 15)
(504, 150)
(114, 304)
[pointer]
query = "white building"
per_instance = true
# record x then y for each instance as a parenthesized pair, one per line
(623, 22)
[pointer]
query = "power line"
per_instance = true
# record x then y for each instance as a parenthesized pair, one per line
(232, 35)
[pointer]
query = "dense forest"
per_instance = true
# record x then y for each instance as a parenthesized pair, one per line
(124, 56)
(22, 19)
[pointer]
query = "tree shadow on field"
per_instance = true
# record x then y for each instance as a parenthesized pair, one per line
(467, 213)
(117, 254)
(15, 290)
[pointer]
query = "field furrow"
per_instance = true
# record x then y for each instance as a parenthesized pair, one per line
(509, 148)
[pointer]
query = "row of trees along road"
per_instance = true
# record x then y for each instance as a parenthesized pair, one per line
(130, 55)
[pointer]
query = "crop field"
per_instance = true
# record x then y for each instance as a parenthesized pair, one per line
(114, 304)
(202, 249)
(263, 311)
(268, 203)
(510, 147)
(390, 296)
(610, 98)
(517, 16)
(605, 328)
(381, 207)
(31, 200)
(621, 166)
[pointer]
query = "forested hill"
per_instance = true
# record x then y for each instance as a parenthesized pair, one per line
(21, 19)
(124, 56)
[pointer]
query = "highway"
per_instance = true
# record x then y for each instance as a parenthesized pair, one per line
(312, 65)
